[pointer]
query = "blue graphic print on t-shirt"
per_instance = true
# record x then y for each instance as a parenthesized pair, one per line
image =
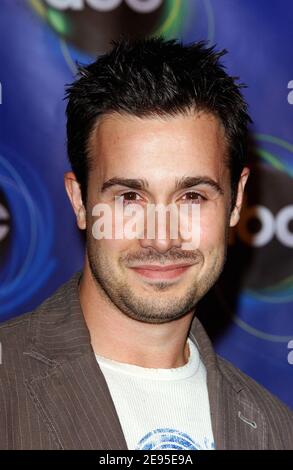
(167, 438)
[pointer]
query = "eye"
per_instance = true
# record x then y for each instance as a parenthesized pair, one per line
(130, 197)
(194, 197)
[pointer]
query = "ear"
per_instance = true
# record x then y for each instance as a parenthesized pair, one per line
(235, 214)
(74, 193)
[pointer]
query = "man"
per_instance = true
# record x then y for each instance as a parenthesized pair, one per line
(116, 358)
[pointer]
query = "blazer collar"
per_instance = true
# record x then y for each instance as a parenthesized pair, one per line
(72, 393)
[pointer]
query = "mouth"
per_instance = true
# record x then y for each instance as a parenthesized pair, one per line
(161, 272)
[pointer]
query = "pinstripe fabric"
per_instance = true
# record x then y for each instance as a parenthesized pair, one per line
(53, 394)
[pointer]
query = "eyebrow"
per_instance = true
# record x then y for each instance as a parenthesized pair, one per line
(128, 182)
(189, 181)
(181, 183)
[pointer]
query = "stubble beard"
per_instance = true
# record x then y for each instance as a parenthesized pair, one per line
(156, 303)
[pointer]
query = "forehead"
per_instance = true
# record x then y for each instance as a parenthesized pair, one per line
(125, 145)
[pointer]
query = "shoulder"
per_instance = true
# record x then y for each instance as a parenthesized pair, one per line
(53, 309)
(14, 337)
(278, 416)
(260, 395)
(14, 331)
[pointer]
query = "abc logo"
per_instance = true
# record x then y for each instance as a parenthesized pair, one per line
(4, 222)
(90, 25)
(270, 226)
(5, 232)
(140, 6)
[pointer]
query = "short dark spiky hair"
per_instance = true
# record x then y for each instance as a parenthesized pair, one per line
(155, 77)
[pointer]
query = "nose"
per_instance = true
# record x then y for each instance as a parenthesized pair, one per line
(160, 245)
(160, 234)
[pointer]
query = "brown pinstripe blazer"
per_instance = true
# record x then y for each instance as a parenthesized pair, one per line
(53, 394)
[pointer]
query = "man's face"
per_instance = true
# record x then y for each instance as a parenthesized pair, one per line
(159, 152)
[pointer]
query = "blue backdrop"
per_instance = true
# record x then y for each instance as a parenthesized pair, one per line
(249, 313)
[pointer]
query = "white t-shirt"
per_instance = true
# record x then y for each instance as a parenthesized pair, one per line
(161, 408)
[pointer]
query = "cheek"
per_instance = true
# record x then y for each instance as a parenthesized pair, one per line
(111, 246)
(212, 228)
(112, 250)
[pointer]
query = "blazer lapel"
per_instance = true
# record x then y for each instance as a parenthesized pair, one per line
(74, 401)
(236, 422)
(70, 393)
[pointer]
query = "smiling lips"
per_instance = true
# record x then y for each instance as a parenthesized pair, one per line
(161, 272)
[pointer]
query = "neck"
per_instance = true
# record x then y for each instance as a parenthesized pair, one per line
(116, 336)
